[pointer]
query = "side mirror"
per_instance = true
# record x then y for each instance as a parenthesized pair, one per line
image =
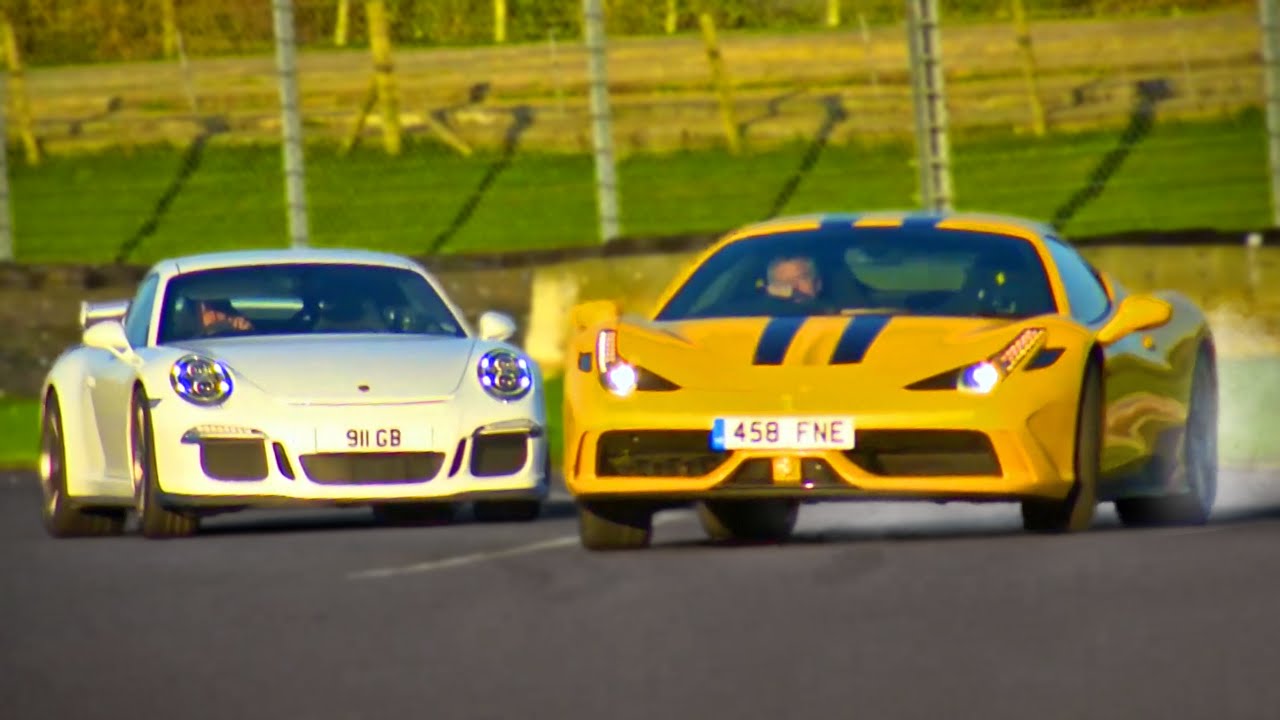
(596, 312)
(1136, 313)
(108, 335)
(95, 312)
(496, 326)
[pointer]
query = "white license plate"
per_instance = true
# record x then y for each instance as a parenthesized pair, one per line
(782, 433)
(373, 438)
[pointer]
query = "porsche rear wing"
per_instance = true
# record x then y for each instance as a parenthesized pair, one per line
(96, 312)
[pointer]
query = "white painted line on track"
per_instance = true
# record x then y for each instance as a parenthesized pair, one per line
(487, 555)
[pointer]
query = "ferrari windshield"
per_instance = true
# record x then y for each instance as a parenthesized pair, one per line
(291, 299)
(837, 271)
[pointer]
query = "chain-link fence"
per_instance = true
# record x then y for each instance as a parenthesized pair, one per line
(151, 128)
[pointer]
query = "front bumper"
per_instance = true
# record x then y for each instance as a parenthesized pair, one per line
(272, 456)
(958, 454)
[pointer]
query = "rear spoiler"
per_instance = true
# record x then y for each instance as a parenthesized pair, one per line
(96, 312)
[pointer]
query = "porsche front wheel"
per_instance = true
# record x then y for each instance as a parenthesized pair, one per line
(749, 520)
(1075, 512)
(154, 520)
(617, 525)
(62, 519)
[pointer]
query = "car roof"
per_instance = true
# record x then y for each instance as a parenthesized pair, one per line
(283, 256)
(1012, 225)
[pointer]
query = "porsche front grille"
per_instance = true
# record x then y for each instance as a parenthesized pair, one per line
(657, 453)
(924, 453)
(371, 468)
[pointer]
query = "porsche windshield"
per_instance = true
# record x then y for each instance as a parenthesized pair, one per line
(296, 299)
(836, 271)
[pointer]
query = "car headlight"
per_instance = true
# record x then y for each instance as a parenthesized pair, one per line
(505, 375)
(983, 377)
(619, 376)
(201, 381)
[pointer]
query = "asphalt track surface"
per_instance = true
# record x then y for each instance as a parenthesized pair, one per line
(880, 611)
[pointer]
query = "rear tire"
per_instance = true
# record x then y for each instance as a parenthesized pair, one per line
(502, 511)
(155, 521)
(767, 521)
(417, 514)
(62, 518)
(1198, 461)
(1075, 512)
(617, 525)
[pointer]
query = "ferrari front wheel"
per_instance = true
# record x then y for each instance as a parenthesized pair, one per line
(749, 520)
(614, 525)
(1198, 462)
(62, 519)
(1075, 512)
(154, 520)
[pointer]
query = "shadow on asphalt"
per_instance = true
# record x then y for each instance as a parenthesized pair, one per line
(293, 521)
(907, 532)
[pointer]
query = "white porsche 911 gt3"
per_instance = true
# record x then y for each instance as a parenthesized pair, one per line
(259, 378)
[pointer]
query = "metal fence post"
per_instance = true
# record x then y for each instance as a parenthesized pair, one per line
(6, 209)
(291, 123)
(933, 147)
(1269, 15)
(601, 122)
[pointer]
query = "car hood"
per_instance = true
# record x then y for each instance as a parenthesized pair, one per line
(750, 353)
(333, 369)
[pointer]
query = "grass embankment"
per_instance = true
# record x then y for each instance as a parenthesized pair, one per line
(1250, 390)
(85, 208)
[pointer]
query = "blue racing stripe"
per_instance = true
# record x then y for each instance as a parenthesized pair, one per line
(776, 339)
(857, 338)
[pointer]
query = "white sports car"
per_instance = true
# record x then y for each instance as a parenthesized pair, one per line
(249, 379)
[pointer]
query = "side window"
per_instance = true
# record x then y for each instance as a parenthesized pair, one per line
(1087, 296)
(137, 320)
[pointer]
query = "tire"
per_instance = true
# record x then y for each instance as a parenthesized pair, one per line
(415, 514)
(500, 511)
(1075, 512)
(768, 521)
(60, 515)
(617, 525)
(1197, 462)
(155, 521)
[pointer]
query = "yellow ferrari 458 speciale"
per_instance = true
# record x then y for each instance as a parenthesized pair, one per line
(887, 357)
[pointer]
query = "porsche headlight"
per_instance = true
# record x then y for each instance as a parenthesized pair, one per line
(983, 377)
(505, 375)
(201, 381)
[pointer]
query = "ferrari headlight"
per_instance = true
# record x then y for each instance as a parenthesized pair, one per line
(505, 375)
(201, 381)
(617, 375)
(983, 377)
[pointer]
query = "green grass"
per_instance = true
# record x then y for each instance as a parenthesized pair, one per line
(19, 432)
(83, 208)
(1250, 390)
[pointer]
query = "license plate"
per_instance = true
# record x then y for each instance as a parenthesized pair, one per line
(782, 433)
(373, 439)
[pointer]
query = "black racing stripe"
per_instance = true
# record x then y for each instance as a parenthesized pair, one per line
(857, 338)
(776, 338)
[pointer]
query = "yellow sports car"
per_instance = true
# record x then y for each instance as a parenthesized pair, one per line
(889, 356)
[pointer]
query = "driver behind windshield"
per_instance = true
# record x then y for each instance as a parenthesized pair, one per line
(794, 278)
